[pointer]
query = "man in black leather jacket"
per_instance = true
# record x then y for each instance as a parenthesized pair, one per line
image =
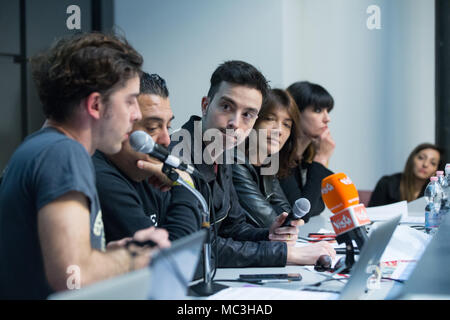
(229, 112)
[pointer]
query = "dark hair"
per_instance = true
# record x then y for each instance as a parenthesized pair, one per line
(78, 65)
(407, 180)
(308, 94)
(153, 84)
(278, 98)
(238, 72)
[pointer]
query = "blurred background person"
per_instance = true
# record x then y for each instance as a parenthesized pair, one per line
(410, 184)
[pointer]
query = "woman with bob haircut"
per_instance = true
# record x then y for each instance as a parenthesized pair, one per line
(314, 146)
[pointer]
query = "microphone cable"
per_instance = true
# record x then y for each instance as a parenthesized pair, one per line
(212, 217)
(212, 211)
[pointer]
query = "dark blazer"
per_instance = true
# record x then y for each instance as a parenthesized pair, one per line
(304, 181)
(260, 195)
(387, 191)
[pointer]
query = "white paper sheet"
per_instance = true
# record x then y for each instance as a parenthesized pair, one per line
(260, 293)
(406, 244)
(412, 213)
(384, 213)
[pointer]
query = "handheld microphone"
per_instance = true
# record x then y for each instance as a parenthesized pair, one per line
(301, 207)
(350, 217)
(140, 141)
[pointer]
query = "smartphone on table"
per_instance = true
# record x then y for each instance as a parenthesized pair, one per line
(270, 277)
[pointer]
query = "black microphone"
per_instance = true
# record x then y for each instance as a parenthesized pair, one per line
(301, 207)
(140, 141)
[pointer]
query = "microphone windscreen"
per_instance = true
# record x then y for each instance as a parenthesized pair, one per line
(339, 192)
(301, 207)
(141, 142)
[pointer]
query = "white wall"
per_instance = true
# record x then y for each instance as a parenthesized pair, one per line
(184, 41)
(382, 80)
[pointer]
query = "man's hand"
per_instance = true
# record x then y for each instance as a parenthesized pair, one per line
(324, 145)
(142, 255)
(287, 234)
(309, 255)
(157, 235)
(157, 178)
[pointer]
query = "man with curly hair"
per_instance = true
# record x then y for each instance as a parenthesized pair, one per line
(51, 229)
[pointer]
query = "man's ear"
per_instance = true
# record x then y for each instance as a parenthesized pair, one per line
(205, 104)
(94, 105)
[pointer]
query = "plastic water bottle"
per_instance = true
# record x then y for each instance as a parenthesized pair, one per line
(442, 182)
(433, 197)
(445, 184)
(440, 176)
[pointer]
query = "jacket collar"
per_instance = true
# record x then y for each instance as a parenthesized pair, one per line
(197, 147)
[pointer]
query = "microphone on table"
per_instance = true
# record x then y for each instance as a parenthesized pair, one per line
(142, 142)
(350, 217)
(300, 208)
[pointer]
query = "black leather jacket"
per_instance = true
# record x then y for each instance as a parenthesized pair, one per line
(260, 195)
(239, 243)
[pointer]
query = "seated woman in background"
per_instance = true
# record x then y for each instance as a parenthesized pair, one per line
(410, 184)
(261, 195)
(314, 146)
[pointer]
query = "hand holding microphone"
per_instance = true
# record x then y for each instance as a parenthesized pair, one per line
(282, 228)
(142, 142)
(300, 209)
(154, 174)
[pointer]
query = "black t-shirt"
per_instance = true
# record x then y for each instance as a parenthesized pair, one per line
(129, 206)
(44, 167)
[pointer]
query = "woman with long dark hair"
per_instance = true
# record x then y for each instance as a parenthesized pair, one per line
(410, 184)
(277, 129)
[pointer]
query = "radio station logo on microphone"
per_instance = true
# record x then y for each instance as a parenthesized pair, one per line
(342, 224)
(347, 181)
(328, 187)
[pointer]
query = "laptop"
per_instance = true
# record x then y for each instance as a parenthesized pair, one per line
(430, 278)
(355, 287)
(167, 277)
(369, 260)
